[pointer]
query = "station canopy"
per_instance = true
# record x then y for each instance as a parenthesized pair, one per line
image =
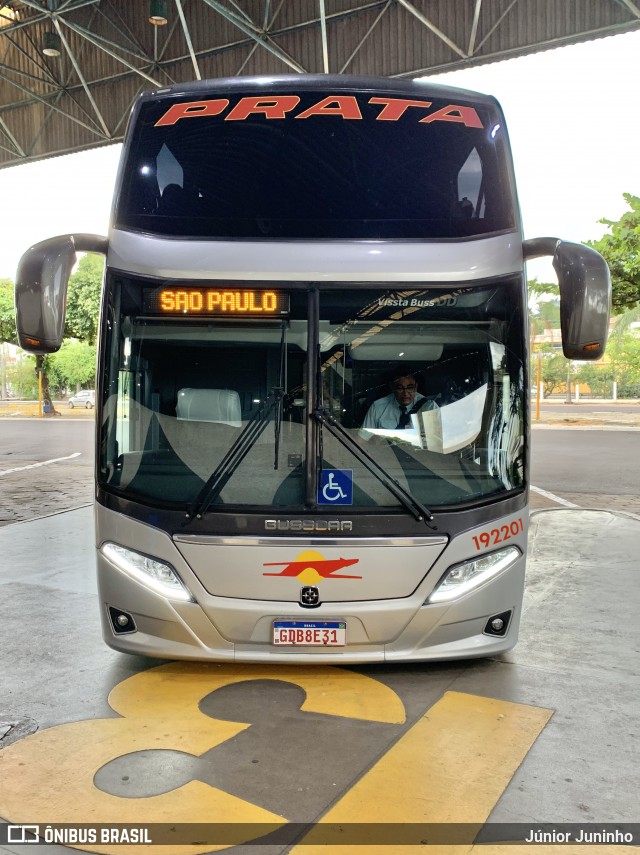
(71, 69)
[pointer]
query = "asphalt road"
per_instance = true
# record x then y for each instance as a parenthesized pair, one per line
(588, 461)
(37, 440)
(590, 468)
(46, 466)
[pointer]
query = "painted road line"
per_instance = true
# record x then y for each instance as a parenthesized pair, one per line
(52, 772)
(553, 498)
(450, 767)
(42, 463)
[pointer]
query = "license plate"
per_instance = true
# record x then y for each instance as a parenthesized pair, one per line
(305, 633)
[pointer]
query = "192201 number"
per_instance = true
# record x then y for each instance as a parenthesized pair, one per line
(498, 535)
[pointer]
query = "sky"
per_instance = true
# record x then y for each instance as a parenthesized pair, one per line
(573, 118)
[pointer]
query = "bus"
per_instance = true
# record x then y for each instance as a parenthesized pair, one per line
(288, 257)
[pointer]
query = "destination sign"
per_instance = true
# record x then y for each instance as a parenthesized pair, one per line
(217, 302)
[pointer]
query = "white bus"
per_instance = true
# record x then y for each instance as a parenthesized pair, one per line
(293, 263)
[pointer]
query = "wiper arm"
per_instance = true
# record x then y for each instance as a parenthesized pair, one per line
(408, 501)
(236, 454)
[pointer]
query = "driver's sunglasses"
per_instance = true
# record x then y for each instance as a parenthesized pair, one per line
(411, 387)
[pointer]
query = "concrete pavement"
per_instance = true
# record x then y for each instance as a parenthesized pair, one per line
(575, 671)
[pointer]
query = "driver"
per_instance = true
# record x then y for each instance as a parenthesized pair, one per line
(394, 411)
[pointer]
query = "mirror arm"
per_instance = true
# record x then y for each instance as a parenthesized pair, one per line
(539, 247)
(90, 243)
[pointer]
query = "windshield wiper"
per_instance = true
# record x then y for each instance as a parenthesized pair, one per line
(236, 454)
(408, 501)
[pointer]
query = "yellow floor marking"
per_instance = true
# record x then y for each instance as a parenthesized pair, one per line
(50, 774)
(329, 690)
(452, 766)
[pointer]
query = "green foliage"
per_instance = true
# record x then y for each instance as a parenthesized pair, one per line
(546, 317)
(621, 250)
(624, 353)
(83, 299)
(73, 365)
(622, 365)
(7, 312)
(598, 377)
(23, 379)
(548, 290)
(624, 325)
(554, 369)
(544, 307)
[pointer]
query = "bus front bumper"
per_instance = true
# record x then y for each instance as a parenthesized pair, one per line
(376, 631)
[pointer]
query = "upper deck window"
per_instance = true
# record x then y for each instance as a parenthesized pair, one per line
(316, 165)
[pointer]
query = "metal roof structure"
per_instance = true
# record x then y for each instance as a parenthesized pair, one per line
(71, 69)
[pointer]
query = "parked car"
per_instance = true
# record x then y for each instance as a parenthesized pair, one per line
(84, 398)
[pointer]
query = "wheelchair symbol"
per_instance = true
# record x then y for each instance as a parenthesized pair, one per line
(337, 488)
(333, 491)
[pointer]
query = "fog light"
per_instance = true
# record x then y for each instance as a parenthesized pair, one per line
(498, 624)
(155, 574)
(122, 622)
(462, 578)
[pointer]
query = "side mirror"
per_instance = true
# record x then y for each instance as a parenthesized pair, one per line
(41, 289)
(585, 295)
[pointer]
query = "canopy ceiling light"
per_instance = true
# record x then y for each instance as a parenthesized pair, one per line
(7, 16)
(158, 12)
(51, 44)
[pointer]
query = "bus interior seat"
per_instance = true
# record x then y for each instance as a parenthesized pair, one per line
(210, 405)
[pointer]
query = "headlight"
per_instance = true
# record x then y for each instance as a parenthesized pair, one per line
(157, 575)
(462, 578)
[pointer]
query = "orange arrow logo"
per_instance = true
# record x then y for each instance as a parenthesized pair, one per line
(311, 567)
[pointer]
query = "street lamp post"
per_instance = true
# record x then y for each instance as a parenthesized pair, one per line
(538, 384)
(568, 399)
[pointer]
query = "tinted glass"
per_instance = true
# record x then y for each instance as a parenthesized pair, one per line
(317, 165)
(431, 384)
(180, 390)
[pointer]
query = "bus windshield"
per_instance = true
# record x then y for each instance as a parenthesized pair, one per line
(321, 165)
(189, 368)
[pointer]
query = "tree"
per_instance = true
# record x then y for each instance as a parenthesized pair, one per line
(545, 317)
(544, 306)
(83, 299)
(625, 323)
(598, 377)
(73, 365)
(7, 312)
(622, 361)
(7, 330)
(554, 369)
(624, 353)
(621, 250)
(23, 379)
(548, 290)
